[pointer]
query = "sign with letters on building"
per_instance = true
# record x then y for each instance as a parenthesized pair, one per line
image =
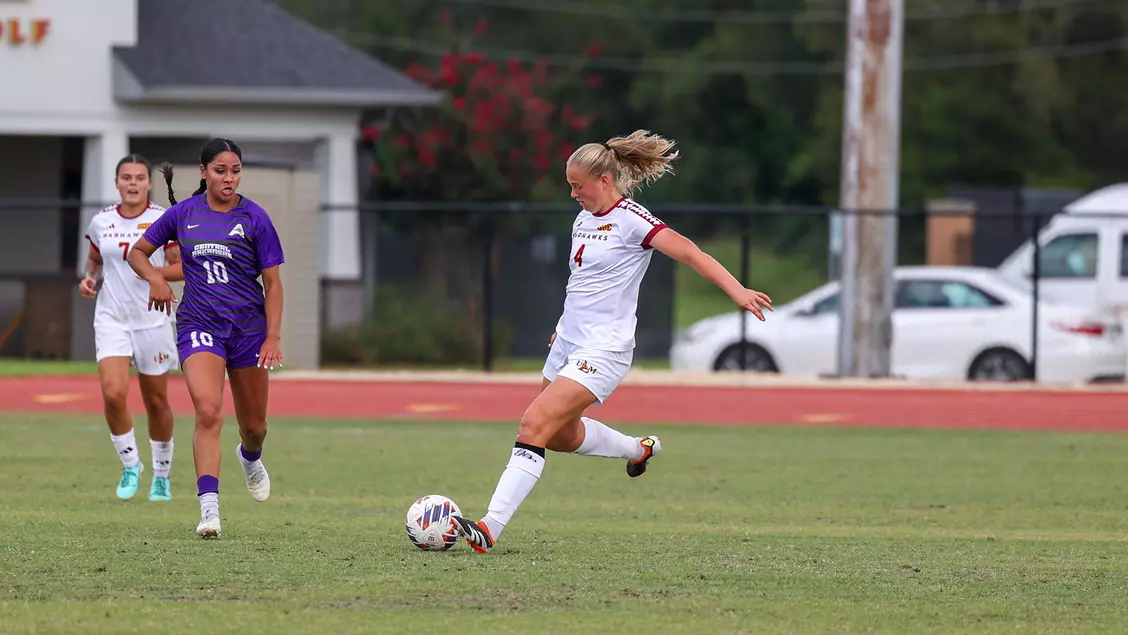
(22, 31)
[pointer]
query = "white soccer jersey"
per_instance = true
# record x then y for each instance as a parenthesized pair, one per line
(610, 254)
(123, 301)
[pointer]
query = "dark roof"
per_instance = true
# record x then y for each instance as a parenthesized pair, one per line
(250, 51)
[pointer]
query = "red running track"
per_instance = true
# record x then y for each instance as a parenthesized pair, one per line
(897, 407)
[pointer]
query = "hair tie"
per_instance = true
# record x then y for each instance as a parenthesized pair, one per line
(604, 144)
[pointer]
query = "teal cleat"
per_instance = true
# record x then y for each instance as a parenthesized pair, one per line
(160, 490)
(130, 478)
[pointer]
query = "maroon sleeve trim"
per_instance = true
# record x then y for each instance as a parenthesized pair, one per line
(650, 235)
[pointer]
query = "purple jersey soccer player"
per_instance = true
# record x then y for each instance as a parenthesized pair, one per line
(227, 320)
(223, 309)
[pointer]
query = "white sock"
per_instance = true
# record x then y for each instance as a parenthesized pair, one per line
(599, 440)
(209, 502)
(162, 457)
(520, 475)
(126, 447)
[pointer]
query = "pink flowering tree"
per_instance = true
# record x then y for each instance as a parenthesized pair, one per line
(502, 133)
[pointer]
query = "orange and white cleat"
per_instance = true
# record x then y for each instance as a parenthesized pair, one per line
(651, 445)
(475, 533)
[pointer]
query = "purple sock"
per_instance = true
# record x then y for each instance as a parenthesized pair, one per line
(251, 457)
(207, 484)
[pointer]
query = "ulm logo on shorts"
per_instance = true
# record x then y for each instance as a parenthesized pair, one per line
(160, 358)
(585, 367)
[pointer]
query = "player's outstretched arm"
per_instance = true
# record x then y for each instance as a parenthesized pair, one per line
(160, 294)
(688, 253)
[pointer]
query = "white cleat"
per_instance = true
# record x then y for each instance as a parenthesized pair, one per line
(258, 481)
(209, 525)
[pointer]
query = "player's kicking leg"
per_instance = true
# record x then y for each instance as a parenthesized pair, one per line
(588, 437)
(560, 403)
(524, 470)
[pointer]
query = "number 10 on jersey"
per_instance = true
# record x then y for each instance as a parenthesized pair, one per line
(217, 272)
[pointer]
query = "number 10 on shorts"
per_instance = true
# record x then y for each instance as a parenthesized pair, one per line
(200, 338)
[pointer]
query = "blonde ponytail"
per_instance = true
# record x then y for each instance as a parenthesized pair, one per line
(640, 158)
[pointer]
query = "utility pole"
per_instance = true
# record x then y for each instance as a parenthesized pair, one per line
(869, 186)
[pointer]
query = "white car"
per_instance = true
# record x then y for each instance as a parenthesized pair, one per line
(948, 323)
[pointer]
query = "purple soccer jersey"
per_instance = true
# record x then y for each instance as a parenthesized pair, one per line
(223, 255)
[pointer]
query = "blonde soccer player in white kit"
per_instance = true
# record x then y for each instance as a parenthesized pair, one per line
(126, 331)
(613, 239)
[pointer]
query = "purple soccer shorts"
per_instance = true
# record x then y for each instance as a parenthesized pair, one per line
(239, 350)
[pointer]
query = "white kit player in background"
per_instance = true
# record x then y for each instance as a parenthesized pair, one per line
(613, 239)
(126, 331)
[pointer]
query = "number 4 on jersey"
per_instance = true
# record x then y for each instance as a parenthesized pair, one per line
(579, 257)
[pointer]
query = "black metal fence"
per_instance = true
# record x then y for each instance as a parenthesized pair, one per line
(504, 268)
(520, 256)
(482, 284)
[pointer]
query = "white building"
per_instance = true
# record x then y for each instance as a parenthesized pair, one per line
(85, 82)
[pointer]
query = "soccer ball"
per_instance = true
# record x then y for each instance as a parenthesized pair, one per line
(429, 525)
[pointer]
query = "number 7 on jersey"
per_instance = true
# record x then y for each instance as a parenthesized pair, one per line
(579, 257)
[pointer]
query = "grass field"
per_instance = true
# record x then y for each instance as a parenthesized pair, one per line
(750, 530)
(10, 367)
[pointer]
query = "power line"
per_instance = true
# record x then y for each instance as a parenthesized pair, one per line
(681, 65)
(821, 16)
(1003, 58)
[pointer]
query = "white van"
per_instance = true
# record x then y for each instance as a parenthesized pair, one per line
(1084, 252)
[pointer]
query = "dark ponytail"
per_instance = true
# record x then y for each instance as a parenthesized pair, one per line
(166, 170)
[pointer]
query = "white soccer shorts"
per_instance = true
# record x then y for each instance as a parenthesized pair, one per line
(598, 371)
(153, 350)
